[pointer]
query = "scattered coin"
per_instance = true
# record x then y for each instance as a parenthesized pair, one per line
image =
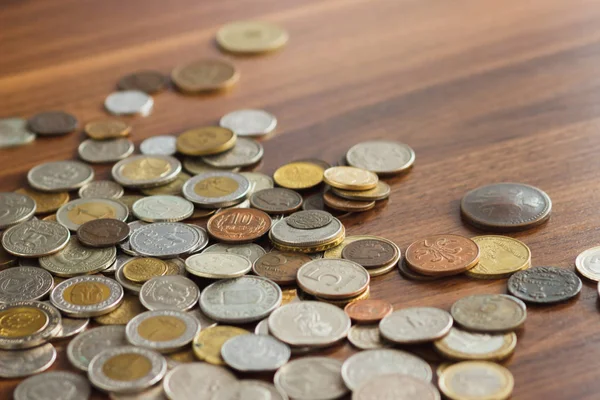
(366, 337)
(298, 175)
(162, 208)
(16, 207)
(60, 176)
(462, 345)
(35, 323)
(245, 152)
(87, 296)
(379, 192)
(258, 181)
(442, 255)
(350, 178)
(368, 311)
(251, 251)
(70, 327)
(216, 189)
(282, 233)
(416, 325)
(333, 279)
(164, 331)
(103, 232)
(14, 132)
(500, 256)
(217, 265)
(53, 123)
(197, 166)
(125, 246)
(314, 202)
(208, 343)
(8, 260)
(205, 75)
(276, 200)
(249, 37)
(129, 308)
(76, 259)
(35, 238)
(77, 212)
(164, 239)
(22, 363)
(85, 346)
(248, 387)
(370, 253)
(412, 275)
(145, 81)
(238, 225)
(280, 267)
(396, 386)
(206, 141)
(544, 285)
(381, 156)
(129, 102)
(588, 263)
(182, 382)
(489, 313)
(53, 385)
(142, 269)
(45, 202)
(341, 204)
(249, 122)
(146, 171)
(309, 219)
(256, 353)
(476, 380)
(104, 151)
(323, 375)
(108, 128)
(170, 292)
(162, 145)
(24, 283)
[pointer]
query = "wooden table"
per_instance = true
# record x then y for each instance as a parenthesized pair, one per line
(483, 91)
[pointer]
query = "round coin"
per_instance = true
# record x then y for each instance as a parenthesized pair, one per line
(280, 267)
(276, 200)
(249, 122)
(162, 208)
(44, 202)
(462, 345)
(208, 343)
(60, 176)
(251, 251)
(105, 151)
(16, 207)
(366, 337)
(14, 132)
(216, 189)
(145, 81)
(370, 253)
(368, 311)
(162, 145)
(85, 346)
(333, 278)
(35, 238)
(22, 363)
(299, 175)
(103, 232)
(24, 283)
(489, 313)
(173, 188)
(396, 386)
(588, 263)
(206, 141)
(341, 204)
(381, 156)
(197, 166)
(146, 171)
(309, 219)
(204, 75)
(108, 128)
(282, 233)
(442, 255)
(76, 259)
(129, 102)
(129, 308)
(416, 325)
(70, 327)
(164, 330)
(142, 269)
(251, 352)
(182, 381)
(102, 190)
(51, 123)
(238, 225)
(77, 212)
(500, 256)
(258, 181)
(27, 324)
(350, 178)
(379, 192)
(87, 296)
(544, 285)
(476, 380)
(249, 37)
(248, 387)
(54, 385)
(171, 292)
(324, 375)
(217, 265)
(164, 239)
(245, 152)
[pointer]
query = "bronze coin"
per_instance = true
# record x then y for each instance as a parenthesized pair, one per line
(370, 253)
(442, 255)
(280, 266)
(53, 123)
(337, 203)
(146, 81)
(276, 200)
(309, 219)
(107, 129)
(103, 232)
(239, 225)
(506, 207)
(368, 311)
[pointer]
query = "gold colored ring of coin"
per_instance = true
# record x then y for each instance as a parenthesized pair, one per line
(501, 393)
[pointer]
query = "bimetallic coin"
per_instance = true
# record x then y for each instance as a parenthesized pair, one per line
(44, 202)
(204, 75)
(87, 296)
(164, 239)
(416, 325)
(129, 308)
(171, 292)
(341, 204)
(382, 157)
(476, 380)
(60, 176)
(216, 189)
(333, 279)
(108, 128)
(52, 123)
(15, 208)
(22, 363)
(311, 378)
(164, 145)
(249, 122)
(238, 225)
(214, 265)
(245, 152)
(76, 259)
(299, 175)
(489, 313)
(368, 311)
(310, 219)
(54, 385)
(85, 346)
(77, 212)
(251, 251)
(129, 102)
(462, 345)
(14, 132)
(379, 192)
(145, 81)
(366, 337)
(255, 353)
(146, 171)
(183, 383)
(370, 253)
(27, 324)
(350, 178)
(500, 256)
(281, 267)
(162, 208)
(251, 37)
(24, 283)
(276, 200)
(104, 232)
(35, 238)
(164, 330)
(544, 285)
(588, 263)
(282, 233)
(397, 387)
(208, 343)
(442, 255)
(102, 190)
(248, 387)
(105, 151)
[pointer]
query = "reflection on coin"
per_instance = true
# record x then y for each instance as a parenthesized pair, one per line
(381, 157)
(183, 382)
(60, 176)
(21, 363)
(370, 253)
(163, 145)
(416, 325)
(368, 311)
(101, 190)
(216, 189)
(77, 212)
(85, 346)
(163, 331)
(255, 353)
(145, 81)
(462, 345)
(146, 171)
(107, 128)
(164, 239)
(162, 208)
(129, 308)
(129, 102)
(14, 132)
(366, 337)
(52, 123)
(105, 151)
(251, 251)
(171, 292)
(500, 256)
(251, 37)
(250, 388)
(45, 202)
(544, 285)
(214, 265)
(15, 208)
(35, 238)
(238, 225)
(311, 378)
(298, 175)
(276, 200)
(24, 283)
(477, 380)
(54, 385)
(397, 387)
(333, 279)
(489, 313)
(281, 267)
(208, 343)
(37, 322)
(103, 232)
(87, 296)
(76, 259)
(341, 204)
(249, 122)
(379, 192)
(588, 263)
(204, 75)
(442, 255)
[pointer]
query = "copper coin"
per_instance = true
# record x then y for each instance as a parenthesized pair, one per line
(276, 200)
(280, 266)
(108, 128)
(239, 225)
(335, 202)
(103, 232)
(53, 123)
(368, 311)
(370, 253)
(146, 81)
(442, 255)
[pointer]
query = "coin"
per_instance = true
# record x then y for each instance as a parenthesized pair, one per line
(238, 225)
(320, 378)
(52, 123)
(245, 152)
(217, 265)
(59, 176)
(142, 269)
(341, 204)
(381, 156)
(309, 219)
(368, 311)
(396, 386)
(276, 200)
(35, 238)
(22, 363)
(258, 181)
(280, 267)
(350, 178)
(101, 190)
(27, 324)
(282, 233)
(206, 141)
(154, 393)
(16, 207)
(129, 308)
(24, 283)
(53, 385)
(8, 260)
(171, 292)
(342, 303)
(205, 75)
(87, 296)
(366, 365)
(76, 259)
(462, 345)
(164, 330)
(380, 192)
(442, 255)
(44, 202)
(208, 343)
(216, 189)
(249, 37)
(103, 232)
(70, 327)
(311, 249)
(298, 175)
(197, 166)
(412, 275)
(251, 251)
(146, 171)
(251, 352)
(477, 380)
(588, 263)
(105, 151)
(249, 122)
(196, 381)
(77, 212)
(164, 239)
(544, 285)
(124, 246)
(129, 102)
(145, 81)
(489, 313)
(162, 208)
(333, 278)
(416, 325)
(239, 389)
(108, 128)
(85, 346)
(14, 132)
(126, 369)
(366, 337)
(500, 256)
(370, 253)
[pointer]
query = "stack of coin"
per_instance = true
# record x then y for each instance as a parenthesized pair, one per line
(353, 189)
(307, 232)
(378, 255)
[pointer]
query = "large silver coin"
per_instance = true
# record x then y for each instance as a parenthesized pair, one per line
(164, 239)
(366, 365)
(77, 212)
(416, 325)
(129, 102)
(397, 387)
(162, 208)
(101, 190)
(217, 265)
(255, 353)
(164, 145)
(249, 389)
(294, 324)
(14, 132)
(15, 208)
(285, 234)
(76, 259)
(381, 156)
(197, 380)
(54, 385)
(258, 181)
(21, 363)
(105, 151)
(35, 238)
(145, 171)
(60, 176)
(24, 283)
(85, 346)
(203, 189)
(251, 251)
(249, 122)
(311, 378)
(38, 323)
(245, 152)
(332, 278)
(87, 296)
(240, 300)
(491, 313)
(164, 331)
(170, 292)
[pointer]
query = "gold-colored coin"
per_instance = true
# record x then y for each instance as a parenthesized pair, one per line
(145, 168)
(287, 296)
(205, 141)
(207, 344)
(51, 217)
(128, 201)
(173, 188)
(299, 175)
(127, 367)
(142, 269)
(350, 178)
(379, 192)
(216, 186)
(45, 202)
(204, 75)
(336, 252)
(202, 213)
(127, 310)
(86, 293)
(107, 129)
(18, 322)
(500, 256)
(161, 328)
(462, 345)
(476, 380)
(250, 37)
(91, 210)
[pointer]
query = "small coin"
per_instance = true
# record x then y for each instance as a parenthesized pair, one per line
(366, 337)
(142, 269)
(500, 256)
(489, 313)
(164, 239)
(44, 202)
(442, 255)
(208, 343)
(103, 232)
(205, 141)
(102, 190)
(216, 189)
(588, 263)
(283, 233)
(217, 265)
(196, 381)
(22, 363)
(380, 192)
(397, 387)
(87, 296)
(163, 145)
(333, 278)
(129, 308)
(249, 122)
(35, 323)
(350, 178)
(70, 327)
(280, 267)
(238, 225)
(309, 219)
(255, 353)
(368, 311)
(370, 253)
(52, 123)
(299, 175)
(323, 374)
(77, 212)
(164, 330)
(239, 389)
(146, 171)
(249, 37)
(85, 346)
(125, 246)
(60, 176)
(197, 166)
(35, 238)
(382, 157)
(162, 208)
(251, 251)
(258, 181)
(14, 132)
(276, 200)
(145, 81)
(341, 204)
(462, 345)
(53, 385)
(24, 283)
(129, 102)
(105, 151)
(108, 128)
(205, 75)
(544, 285)
(16, 207)
(477, 380)
(416, 325)
(76, 259)
(245, 152)
(170, 292)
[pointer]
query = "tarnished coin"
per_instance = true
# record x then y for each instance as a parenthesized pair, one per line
(370, 253)
(397, 387)
(87, 296)
(309, 219)
(258, 181)
(205, 75)
(172, 188)
(462, 345)
(164, 239)
(416, 325)
(588, 263)
(146, 171)
(369, 364)
(366, 337)
(208, 343)
(77, 212)
(34, 323)
(129, 308)
(281, 232)
(197, 166)
(350, 178)
(162, 208)
(249, 122)
(476, 380)
(52, 123)
(163, 145)
(368, 311)
(102, 190)
(14, 132)
(24, 283)
(22, 363)
(35, 238)
(76, 259)
(544, 285)
(108, 128)
(245, 152)
(142, 269)
(299, 175)
(251, 388)
(54, 385)
(341, 204)
(183, 382)
(238, 225)
(500, 256)
(280, 267)
(105, 151)
(85, 346)
(489, 313)
(255, 353)
(59, 176)
(145, 81)
(506, 207)
(44, 202)
(379, 192)
(129, 102)
(163, 330)
(276, 200)
(103, 232)
(249, 37)
(214, 265)
(311, 378)
(442, 255)
(170, 292)
(216, 189)
(251, 251)
(15, 208)
(333, 278)
(381, 156)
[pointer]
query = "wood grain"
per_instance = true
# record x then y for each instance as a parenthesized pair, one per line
(483, 91)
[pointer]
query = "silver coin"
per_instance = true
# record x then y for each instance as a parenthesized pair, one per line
(462, 345)
(76, 259)
(14, 132)
(197, 380)
(35, 238)
(164, 145)
(366, 337)
(368, 364)
(240, 300)
(73, 214)
(112, 268)
(164, 239)
(162, 208)
(243, 204)
(124, 246)
(255, 353)
(87, 296)
(202, 319)
(217, 265)
(24, 283)
(87, 345)
(37, 317)
(287, 235)
(262, 328)
(105, 151)
(311, 378)
(249, 122)
(193, 189)
(294, 324)
(59, 176)
(15, 208)
(249, 389)
(309, 219)
(155, 393)
(588, 263)
(169, 292)
(203, 239)
(381, 156)
(258, 181)
(155, 372)
(54, 385)
(129, 102)
(251, 251)
(101, 190)
(22, 363)
(416, 325)
(397, 387)
(196, 166)
(333, 278)
(164, 330)
(245, 152)
(70, 327)
(145, 171)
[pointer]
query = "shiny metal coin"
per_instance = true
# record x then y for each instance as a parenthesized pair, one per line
(320, 378)
(154, 393)
(245, 152)
(309, 219)
(164, 145)
(255, 353)
(105, 151)
(70, 327)
(85, 346)
(77, 212)
(262, 328)
(16, 207)
(249, 122)
(129, 102)
(476, 380)
(164, 331)
(164, 239)
(262, 297)
(162, 208)
(126, 283)
(22, 363)
(366, 337)
(196, 166)
(76, 259)
(462, 345)
(489, 313)
(35, 238)
(196, 381)
(14, 132)
(416, 325)
(101, 295)
(125, 247)
(101, 190)
(381, 156)
(146, 171)
(203, 239)
(544, 285)
(216, 189)
(332, 278)
(202, 319)
(54, 385)
(276, 200)
(251, 251)
(217, 265)
(397, 387)
(169, 292)
(60, 176)
(38, 322)
(24, 283)
(258, 181)
(287, 235)
(249, 387)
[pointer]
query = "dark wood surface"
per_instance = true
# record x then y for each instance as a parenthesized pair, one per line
(483, 91)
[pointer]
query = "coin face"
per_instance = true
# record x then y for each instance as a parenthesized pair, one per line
(180, 382)
(14, 132)
(489, 313)
(129, 102)
(251, 251)
(163, 330)
(381, 157)
(163, 145)
(370, 253)
(379, 192)
(588, 263)
(35, 238)
(146, 171)
(145, 81)
(500, 256)
(311, 378)
(299, 175)
(366, 337)
(77, 212)
(53, 123)
(60, 176)
(15, 208)
(462, 345)
(208, 343)
(22, 363)
(164, 239)
(85, 346)
(248, 387)
(53, 385)
(76, 259)
(108, 128)
(238, 225)
(245, 152)
(249, 122)
(255, 353)
(309, 219)
(276, 200)
(171, 292)
(280, 267)
(101, 190)
(162, 208)
(396, 386)
(27, 324)
(416, 325)
(205, 141)
(368, 311)
(217, 265)
(476, 380)
(216, 189)
(104, 151)
(333, 279)
(350, 178)
(87, 296)
(442, 255)
(205, 75)
(506, 207)
(251, 37)
(103, 232)
(45, 202)
(24, 283)
(544, 285)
